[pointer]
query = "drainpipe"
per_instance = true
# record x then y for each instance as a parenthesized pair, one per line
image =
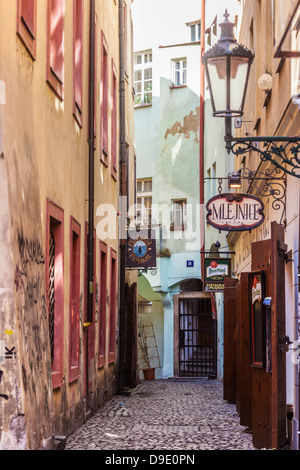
(201, 139)
(90, 260)
(122, 192)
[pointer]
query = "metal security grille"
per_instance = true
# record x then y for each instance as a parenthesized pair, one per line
(51, 292)
(197, 338)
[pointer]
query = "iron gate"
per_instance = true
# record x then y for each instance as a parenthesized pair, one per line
(197, 338)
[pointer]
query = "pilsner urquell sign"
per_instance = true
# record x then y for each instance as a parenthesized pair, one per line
(235, 212)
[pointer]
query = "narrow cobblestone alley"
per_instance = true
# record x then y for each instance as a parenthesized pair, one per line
(188, 415)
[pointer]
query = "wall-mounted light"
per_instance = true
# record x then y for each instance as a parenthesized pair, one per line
(227, 67)
(234, 180)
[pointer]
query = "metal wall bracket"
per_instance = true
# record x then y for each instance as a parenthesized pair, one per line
(273, 185)
(282, 152)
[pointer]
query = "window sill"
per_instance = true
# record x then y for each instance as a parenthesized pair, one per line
(28, 41)
(55, 84)
(174, 87)
(77, 113)
(114, 174)
(104, 158)
(148, 105)
(101, 362)
(178, 228)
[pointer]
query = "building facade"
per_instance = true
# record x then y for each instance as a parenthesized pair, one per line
(261, 368)
(61, 130)
(167, 115)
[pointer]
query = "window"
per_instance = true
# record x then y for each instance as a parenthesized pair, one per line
(104, 100)
(114, 133)
(179, 72)
(103, 304)
(26, 25)
(74, 300)
(179, 214)
(55, 53)
(195, 32)
(55, 288)
(144, 201)
(143, 77)
(77, 58)
(112, 306)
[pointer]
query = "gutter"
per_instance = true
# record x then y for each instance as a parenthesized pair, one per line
(201, 137)
(122, 193)
(91, 200)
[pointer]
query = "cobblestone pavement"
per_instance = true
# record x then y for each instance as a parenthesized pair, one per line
(165, 415)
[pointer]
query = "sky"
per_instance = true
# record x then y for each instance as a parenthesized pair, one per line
(167, 15)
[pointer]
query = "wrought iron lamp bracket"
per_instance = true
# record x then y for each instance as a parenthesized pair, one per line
(141, 271)
(273, 186)
(282, 152)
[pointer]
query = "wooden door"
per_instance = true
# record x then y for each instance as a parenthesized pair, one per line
(261, 381)
(229, 373)
(278, 357)
(268, 401)
(130, 364)
(243, 352)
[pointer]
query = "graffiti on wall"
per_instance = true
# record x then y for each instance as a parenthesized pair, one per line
(2, 395)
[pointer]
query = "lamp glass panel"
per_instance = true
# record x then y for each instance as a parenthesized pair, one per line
(238, 72)
(216, 68)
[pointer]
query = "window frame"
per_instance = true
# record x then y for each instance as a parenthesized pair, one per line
(146, 211)
(112, 306)
(257, 326)
(102, 304)
(182, 70)
(55, 215)
(74, 358)
(195, 31)
(55, 82)
(143, 67)
(183, 211)
(26, 35)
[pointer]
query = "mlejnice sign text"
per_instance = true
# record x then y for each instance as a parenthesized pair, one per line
(235, 212)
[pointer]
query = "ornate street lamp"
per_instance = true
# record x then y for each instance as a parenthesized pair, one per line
(227, 67)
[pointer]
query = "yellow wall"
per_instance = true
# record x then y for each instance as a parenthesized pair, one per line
(46, 156)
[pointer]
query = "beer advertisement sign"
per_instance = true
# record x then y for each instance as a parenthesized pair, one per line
(215, 271)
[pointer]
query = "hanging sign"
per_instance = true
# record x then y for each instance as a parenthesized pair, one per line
(141, 249)
(235, 212)
(215, 271)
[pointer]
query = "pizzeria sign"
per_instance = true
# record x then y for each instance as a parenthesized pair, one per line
(235, 212)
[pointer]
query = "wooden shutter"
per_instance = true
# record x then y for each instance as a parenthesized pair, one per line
(26, 25)
(78, 51)
(114, 136)
(57, 38)
(27, 15)
(104, 100)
